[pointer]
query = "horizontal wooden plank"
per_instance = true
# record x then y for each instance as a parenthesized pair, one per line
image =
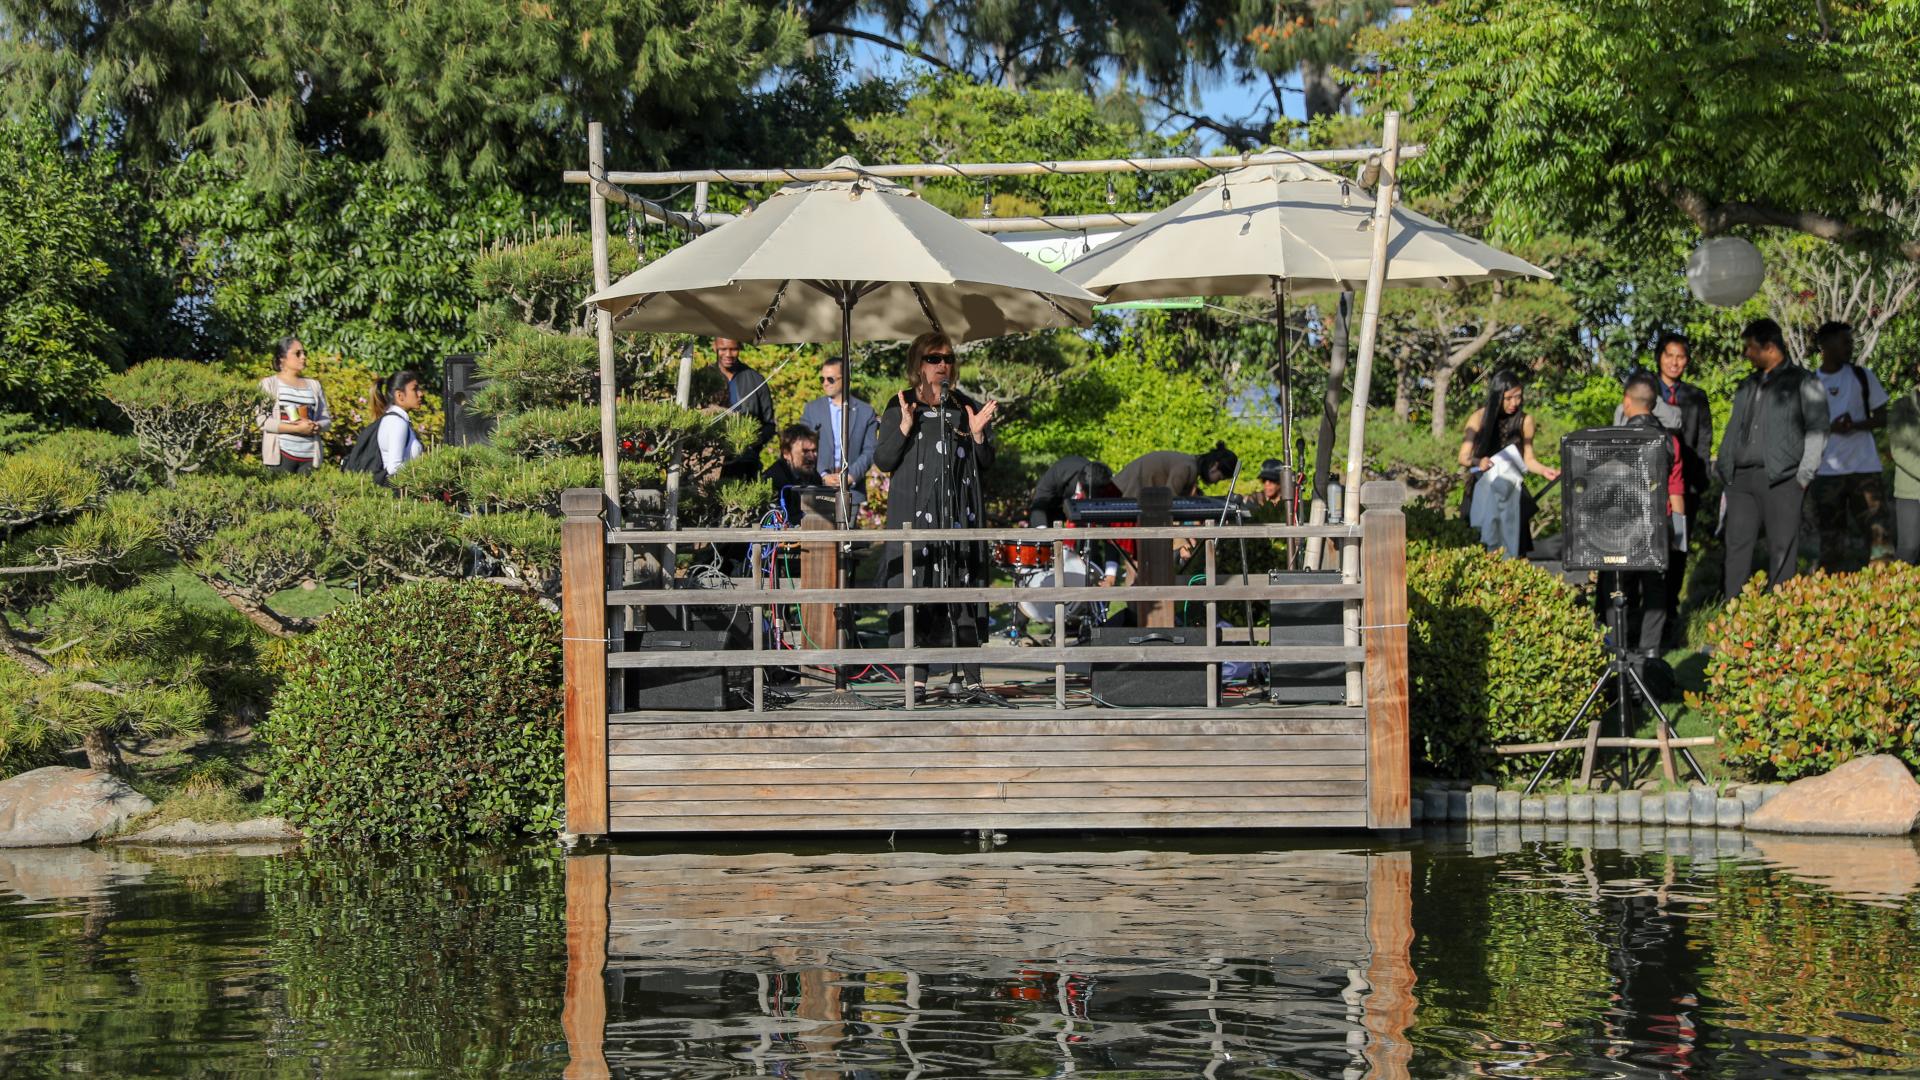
(936, 725)
(1044, 654)
(870, 822)
(1017, 790)
(1083, 774)
(983, 758)
(1249, 533)
(1025, 713)
(931, 744)
(1161, 804)
(861, 596)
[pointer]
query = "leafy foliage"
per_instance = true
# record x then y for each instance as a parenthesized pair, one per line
(1497, 648)
(386, 539)
(1817, 672)
(184, 414)
(430, 711)
(525, 544)
(265, 553)
(67, 471)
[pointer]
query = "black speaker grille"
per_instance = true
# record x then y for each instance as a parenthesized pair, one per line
(1615, 483)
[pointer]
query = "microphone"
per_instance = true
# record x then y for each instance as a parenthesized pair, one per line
(946, 385)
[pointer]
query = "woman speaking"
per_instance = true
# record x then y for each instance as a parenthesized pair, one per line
(937, 443)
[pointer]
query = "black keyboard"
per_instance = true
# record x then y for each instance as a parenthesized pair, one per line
(1186, 510)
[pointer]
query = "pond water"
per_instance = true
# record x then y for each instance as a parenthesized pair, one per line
(1453, 952)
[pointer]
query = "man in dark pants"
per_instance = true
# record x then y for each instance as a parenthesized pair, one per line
(1768, 456)
(747, 394)
(1645, 591)
(1683, 409)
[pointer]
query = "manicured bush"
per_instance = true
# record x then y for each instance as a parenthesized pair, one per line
(386, 539)
(430, 711)
(55, 475)
(1500, 652)
(526, 546)
(1823, 669)
(184, 414)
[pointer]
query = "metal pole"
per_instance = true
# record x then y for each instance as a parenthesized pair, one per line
(683, 386)
(1363, 378)
(603, 325)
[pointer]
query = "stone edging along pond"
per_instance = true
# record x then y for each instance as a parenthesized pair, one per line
(1699, 806)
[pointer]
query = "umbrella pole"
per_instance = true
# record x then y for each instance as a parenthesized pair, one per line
(1286, 407)
(842, 499)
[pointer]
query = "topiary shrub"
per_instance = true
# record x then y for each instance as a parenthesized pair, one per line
(386, 539)
(184, 414)
(430, 711)
(1823, 669)
(524, 544)
(1500, 652)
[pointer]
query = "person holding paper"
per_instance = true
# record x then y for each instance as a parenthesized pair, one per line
(1502, 424)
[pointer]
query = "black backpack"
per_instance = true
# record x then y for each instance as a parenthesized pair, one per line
(364, 455)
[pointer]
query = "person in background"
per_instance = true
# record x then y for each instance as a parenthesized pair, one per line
(1072, 477)
(746, 394)
(296, 414)
(1773, 444)
(1272, 484)
(1183, 473)
(822, 414)
(1645, 591)
(1683, 409)
(796, 468)
(393, 398)
(1845, 495)
(1501, 423)
(1903, 439)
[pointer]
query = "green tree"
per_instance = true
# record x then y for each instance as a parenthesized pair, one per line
(1625, 121)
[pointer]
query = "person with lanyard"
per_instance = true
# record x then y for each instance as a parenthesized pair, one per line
(1768, 455)
(748, 395)
(822, 414)
(936, 443)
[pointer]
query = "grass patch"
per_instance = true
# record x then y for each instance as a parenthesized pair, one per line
(204, 800)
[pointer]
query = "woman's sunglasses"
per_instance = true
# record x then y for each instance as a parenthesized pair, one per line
(937, 358)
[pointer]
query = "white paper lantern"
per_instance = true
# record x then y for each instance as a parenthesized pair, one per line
(1725, 270)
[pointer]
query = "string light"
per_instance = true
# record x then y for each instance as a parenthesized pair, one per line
(1112, 198)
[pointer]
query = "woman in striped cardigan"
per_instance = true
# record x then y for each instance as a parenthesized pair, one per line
(296, 413)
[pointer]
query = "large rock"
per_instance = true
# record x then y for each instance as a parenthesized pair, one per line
(188, 831)
(58, 805)
(1869, 796)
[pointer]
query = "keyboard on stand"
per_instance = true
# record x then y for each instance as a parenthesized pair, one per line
(1187, 510)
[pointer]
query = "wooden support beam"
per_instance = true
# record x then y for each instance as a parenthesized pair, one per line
(1612, 742)
(583, 628)
(1384, 551)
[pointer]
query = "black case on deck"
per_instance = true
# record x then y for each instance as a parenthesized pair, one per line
(1174, 685)
(1306, 622)
(696, 689)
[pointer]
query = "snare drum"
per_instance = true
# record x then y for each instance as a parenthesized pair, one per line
(1018, 556)
(1072, 573)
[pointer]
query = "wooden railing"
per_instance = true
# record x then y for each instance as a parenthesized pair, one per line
(608, 574)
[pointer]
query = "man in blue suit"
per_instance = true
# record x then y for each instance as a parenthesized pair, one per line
(823, 415)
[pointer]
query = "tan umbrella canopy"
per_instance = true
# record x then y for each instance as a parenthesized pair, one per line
(844, 260)
(1255, 230)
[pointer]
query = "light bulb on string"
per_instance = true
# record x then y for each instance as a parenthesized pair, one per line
(1112, 198)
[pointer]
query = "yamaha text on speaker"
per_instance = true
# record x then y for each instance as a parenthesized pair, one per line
(464, 426)
(1615, 498)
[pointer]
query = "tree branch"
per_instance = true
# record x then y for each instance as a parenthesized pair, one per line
(897, 46)
(1240, 134)
(1715, 218)
(22, 653)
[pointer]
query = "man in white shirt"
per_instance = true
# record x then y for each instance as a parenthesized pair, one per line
(1845, 498)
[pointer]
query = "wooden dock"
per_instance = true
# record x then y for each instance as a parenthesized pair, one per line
(778, 960)
(1054, 759)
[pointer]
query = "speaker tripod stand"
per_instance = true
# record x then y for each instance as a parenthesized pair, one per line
(1620, 670)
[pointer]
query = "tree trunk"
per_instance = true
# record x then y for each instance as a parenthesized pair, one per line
(1443, 375)
(257, 613)
(103, 752)
(1323, 90)
(1330, 400)
(1402, 386)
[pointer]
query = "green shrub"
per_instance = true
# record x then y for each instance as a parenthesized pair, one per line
(427, 712)
(36, 488)
(387, 539)
(1500, 652)
(450, 474)
(265, 553)
(184, 414)
(655, 428)
(199, 506)
(526, 545)
(1821, 670)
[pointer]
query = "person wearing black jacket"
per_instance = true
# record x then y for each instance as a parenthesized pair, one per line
(937, 443)
(1072, 477)
(1768, 456)
(796, 467)
(748, 395)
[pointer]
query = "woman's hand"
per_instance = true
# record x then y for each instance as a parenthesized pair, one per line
(978, 419)
(906, 412)
(1549, 472)
(302, 427)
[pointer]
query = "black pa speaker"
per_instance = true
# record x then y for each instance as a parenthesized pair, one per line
(703, 689)
(1614, 497)
(1137, 686)
(464, 426)
(1307, 622)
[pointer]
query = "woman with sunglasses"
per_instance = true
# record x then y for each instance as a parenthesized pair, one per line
(937, 443)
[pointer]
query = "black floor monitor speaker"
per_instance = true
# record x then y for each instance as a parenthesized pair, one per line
(1614, 482)
(464, 426)
(1306, 622)
(1136, 686)
(704, 689)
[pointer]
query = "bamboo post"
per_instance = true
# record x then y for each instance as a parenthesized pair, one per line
(583, 622)
(1384, 544)
(603, 321)
(1363, 374)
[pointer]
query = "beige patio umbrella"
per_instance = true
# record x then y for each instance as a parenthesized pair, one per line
(844, 260)
(1251, 231)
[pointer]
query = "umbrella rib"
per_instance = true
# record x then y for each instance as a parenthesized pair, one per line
(760, 328)
(926, 308)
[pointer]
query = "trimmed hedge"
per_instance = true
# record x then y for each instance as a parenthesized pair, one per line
(1823, 669)
(1500, 652)
(431, 711)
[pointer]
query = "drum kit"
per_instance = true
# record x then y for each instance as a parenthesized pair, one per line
(1032, 568)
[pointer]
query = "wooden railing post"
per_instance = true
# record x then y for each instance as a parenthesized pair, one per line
(583, 1011)
(1383, 549)
(583, 626)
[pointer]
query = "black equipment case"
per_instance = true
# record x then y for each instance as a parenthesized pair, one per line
(1306, 622)
(668, 689)
(1138, 686)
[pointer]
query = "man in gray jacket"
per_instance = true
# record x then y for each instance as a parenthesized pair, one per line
(1768, 456)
